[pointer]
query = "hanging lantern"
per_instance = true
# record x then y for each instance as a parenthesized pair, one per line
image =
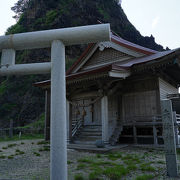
(83, 112)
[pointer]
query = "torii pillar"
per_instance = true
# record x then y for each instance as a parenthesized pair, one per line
(57, 40)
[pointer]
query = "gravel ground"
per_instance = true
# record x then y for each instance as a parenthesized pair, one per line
(22, 160)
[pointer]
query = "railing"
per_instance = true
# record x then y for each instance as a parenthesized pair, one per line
(143, 120)
(78, 124)
(178, 119)
(5, 132)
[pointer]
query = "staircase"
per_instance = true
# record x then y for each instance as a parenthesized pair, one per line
(115, 136)
(88, 134)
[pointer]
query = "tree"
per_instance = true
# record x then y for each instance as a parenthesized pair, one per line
(20, 7)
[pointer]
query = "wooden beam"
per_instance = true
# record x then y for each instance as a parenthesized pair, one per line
(135, 134)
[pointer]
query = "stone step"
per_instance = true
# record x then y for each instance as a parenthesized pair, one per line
(87, 138)
(90, 133)
(93, 126)
(90, 130)
(84, 142)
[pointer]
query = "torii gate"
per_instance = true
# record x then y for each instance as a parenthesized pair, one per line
(56, 39)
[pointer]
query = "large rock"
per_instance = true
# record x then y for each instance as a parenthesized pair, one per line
(99, 144)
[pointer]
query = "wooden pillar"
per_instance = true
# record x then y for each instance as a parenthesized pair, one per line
(155, 133)
(104, 117)
(135, 134)
(47, 114)
(69, 121)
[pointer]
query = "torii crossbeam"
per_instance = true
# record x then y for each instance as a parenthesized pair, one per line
(56, 39)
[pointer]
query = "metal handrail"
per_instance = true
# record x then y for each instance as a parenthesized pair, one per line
(77, 126)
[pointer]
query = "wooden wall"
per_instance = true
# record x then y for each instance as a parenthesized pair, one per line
(140, 99)
(166, 88)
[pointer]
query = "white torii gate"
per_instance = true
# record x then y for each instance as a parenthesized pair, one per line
(56, 39)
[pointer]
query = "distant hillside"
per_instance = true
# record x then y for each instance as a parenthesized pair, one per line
(18, 98)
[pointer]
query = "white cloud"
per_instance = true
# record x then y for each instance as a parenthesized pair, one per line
(155, 21)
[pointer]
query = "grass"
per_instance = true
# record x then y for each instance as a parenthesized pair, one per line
(2, 157)
(35, 153)
(132, 167)
(78, 177)
(147, 167)
(81, 166)
(85, 160)
(178, 151)
(109, 168)
(10, 157)
(69, 162)
(45, 148)
(19, 152)
(145, 177)
(98, 155)
(115, 173)
(23, 137)
(42, 142)
(160, 162)
(114, 156)
(4, 147)
(11, 145)
(103, 163)
(95, 175)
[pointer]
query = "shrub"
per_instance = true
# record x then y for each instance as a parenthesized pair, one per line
(132, 167)
(11, 145)
(78, 177)
(147, 167)
(85, 160)
(42, 142)
(80, 166)
(114, 156)
(69, 162)
(35, 153)
(98, 155)
(4, 147)
(94, 175)
(115, 173)
(2, 157)
(10, 157)
(145, 177)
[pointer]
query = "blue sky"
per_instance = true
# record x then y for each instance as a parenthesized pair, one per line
(161, 18)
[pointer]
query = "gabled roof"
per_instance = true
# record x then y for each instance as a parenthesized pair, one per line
(132, 46)
(148, 56)
(117, 40)
(146, 59)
